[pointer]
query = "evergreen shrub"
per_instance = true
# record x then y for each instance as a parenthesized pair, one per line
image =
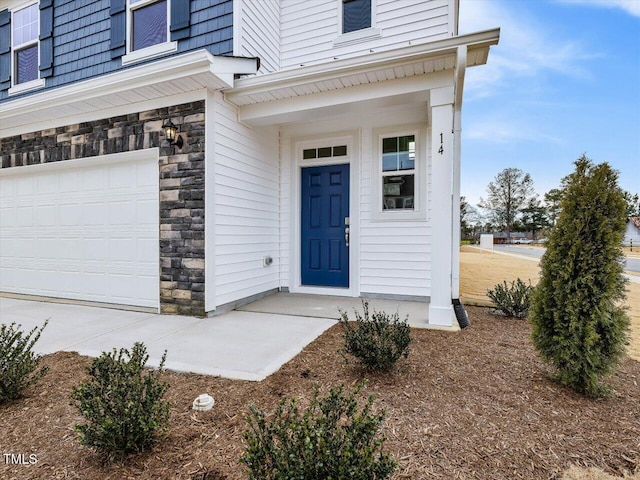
(514, 300)
(18, 362)
(333, 438)
(122, 402)
(377, 340)
(579, 324)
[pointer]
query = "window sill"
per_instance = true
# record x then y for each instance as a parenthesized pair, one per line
(26, 87)
(357, 36)
(399, 215)
(149, 52)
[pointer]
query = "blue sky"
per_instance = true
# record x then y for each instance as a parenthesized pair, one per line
(564, 80)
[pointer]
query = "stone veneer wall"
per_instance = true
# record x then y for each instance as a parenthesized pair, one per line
(181, 174)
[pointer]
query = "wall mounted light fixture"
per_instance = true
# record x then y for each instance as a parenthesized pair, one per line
(170, 133)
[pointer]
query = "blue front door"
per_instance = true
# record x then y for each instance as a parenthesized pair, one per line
(324, 249)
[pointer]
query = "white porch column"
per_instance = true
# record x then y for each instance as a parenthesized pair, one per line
(440, 309)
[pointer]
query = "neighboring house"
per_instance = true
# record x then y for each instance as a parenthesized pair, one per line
(319, 153)
(632, 233)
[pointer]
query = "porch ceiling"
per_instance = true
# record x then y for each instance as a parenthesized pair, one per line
(404, 68)
(97, 97)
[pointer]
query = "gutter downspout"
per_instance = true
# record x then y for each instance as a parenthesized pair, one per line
(461, 314)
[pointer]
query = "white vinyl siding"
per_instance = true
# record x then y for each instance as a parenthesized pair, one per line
(258, 29)
(82, 229)
(394, 256)
(246, 206)
(309, 29)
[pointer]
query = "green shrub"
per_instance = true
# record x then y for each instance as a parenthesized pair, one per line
(377, 340)
(513, 300)
(122, 402)
(331, 439)
(18, 363)
(579, 326)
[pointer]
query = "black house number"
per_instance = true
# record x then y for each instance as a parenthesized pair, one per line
(441, 149)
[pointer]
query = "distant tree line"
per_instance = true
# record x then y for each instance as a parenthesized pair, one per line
(512, 205)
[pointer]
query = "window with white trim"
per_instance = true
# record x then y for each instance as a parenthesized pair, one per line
(25, 30)
(398, 183)
(398, 172)
(356, 22)
(356, 15)
(147, 29)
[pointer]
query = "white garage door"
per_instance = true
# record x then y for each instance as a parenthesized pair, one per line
(82, 229)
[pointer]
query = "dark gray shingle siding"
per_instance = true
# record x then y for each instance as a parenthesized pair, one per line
(81, 37)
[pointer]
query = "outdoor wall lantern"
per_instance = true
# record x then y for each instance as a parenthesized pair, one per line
(170, 132)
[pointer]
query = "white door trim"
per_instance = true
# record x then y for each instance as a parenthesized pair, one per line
(352, 140)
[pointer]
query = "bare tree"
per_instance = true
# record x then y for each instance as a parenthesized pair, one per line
(509, 192)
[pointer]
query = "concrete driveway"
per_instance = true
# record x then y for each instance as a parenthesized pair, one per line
(241, 345)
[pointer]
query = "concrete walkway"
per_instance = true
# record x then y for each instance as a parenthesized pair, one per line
(328, 306)
(239, 344)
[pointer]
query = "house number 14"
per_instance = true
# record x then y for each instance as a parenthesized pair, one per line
(441, 149)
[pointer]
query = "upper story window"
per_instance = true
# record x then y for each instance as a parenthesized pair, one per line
(25, 29)
(356, 15)
(148, 29)
(26, 45)
(356, 22)
(148, 25)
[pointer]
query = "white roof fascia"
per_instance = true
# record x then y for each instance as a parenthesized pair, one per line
(333, 69)
(222, 71)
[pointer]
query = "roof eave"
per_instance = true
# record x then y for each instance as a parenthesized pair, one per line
(349, 66)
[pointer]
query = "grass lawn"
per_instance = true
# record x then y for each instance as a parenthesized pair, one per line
(481, 270)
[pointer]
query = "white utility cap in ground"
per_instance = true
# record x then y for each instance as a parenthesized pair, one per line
(203, 403)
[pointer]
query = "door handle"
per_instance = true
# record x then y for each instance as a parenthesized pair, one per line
(346, 235)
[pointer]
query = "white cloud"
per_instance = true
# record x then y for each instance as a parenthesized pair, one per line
(632, 7)
(526, 47)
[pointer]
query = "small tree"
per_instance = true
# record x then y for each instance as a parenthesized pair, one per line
(632, 204)
(579, 326)
(508, 193)
(534, 218)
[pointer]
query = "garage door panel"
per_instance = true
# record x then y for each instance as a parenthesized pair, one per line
(86, 232)
(121, 213)
(69, 214)
(146, 210)
(47, 215)
(122, 249)
(94, 213)
(24, 187)
(147, 250)
(69, 182)
(46, 184)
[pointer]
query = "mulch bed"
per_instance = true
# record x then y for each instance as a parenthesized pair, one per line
(477, 404)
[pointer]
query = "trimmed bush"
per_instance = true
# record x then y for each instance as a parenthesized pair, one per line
(514, 300)
(18, 363)
(377, 340)
(331, 439)
(122, 403)
(579, 324)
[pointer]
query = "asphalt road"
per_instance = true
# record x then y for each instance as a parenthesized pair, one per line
(632, 264)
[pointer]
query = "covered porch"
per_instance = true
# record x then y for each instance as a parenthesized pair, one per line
(397, 225)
